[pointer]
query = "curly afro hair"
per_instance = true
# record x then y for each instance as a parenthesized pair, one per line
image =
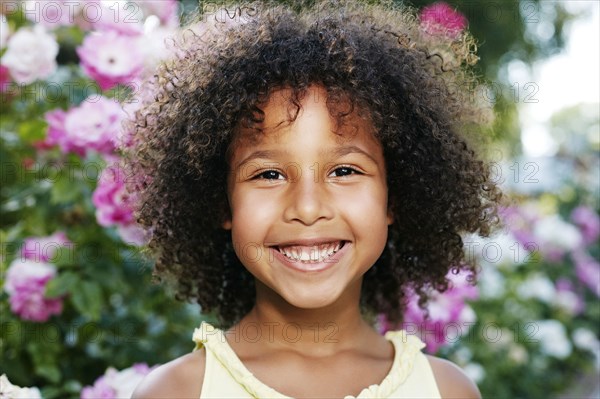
(416, 89)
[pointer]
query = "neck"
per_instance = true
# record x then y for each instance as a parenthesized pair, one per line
(278, 324)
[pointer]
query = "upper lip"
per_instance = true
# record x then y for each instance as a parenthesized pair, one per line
(308, 242)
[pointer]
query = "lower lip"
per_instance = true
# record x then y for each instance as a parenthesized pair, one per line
(311, 267)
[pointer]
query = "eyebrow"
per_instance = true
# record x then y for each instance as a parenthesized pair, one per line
(349, 149)
(336, 152)
(262, 154)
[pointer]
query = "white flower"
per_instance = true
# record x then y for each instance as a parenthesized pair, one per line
(10, 391)
(553, 232)
(30, 55)
(539, 287)
(7, 390)
(3, 31)
(552, 337)
(491, 283)
(585, 339)
(498, 250)
(467, 316)
(475, 371)
(29, 393)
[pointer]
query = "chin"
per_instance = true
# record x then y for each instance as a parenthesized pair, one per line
(310, 300)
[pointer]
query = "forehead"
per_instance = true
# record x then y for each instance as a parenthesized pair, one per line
(311, 108)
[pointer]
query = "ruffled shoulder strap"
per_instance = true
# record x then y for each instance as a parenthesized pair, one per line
(213, 339)
(406, 349)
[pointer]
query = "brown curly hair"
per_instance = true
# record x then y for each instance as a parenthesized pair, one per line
(416, 89)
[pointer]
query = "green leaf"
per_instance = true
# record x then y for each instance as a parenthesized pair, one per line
(87, 299)
(62, 284)
(45, 352)
(50, 371)
(32, 130)
(64, 256)
(65, 191)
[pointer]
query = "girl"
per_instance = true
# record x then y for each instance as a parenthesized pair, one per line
(299, 173)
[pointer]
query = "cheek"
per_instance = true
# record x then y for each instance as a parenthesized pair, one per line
(369, 214)
(368, 203)
(249, 214)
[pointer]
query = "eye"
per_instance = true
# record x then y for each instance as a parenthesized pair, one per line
(344, 171)
(269, 175)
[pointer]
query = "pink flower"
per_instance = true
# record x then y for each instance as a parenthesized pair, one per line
(588, 222)
(449, 316)
(114, 206)
(100, 390)
(113, 203)
(519, 221)
(441, 19)
(567, 298)
(30, 55)
(116, 384)
(111, 58)
(26, 284)
(94, 125)
(587, 270)
(549, 234)
(43, 249)
(133, 234)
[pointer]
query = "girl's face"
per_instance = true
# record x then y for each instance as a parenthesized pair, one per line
(309, 211)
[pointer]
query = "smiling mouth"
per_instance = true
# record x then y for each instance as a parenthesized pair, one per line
(310, 254)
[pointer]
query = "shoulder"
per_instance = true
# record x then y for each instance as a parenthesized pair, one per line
(180, 378)
(451, 380)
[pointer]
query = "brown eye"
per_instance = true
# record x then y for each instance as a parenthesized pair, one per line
(344, 171)
(269, 175)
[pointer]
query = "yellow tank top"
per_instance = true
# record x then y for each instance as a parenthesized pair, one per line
(225, 376)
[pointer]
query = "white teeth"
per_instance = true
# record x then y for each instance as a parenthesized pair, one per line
(310, 254)
(314, 254)
(324, 250)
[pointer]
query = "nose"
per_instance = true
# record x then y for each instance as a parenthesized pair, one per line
(307, 202)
